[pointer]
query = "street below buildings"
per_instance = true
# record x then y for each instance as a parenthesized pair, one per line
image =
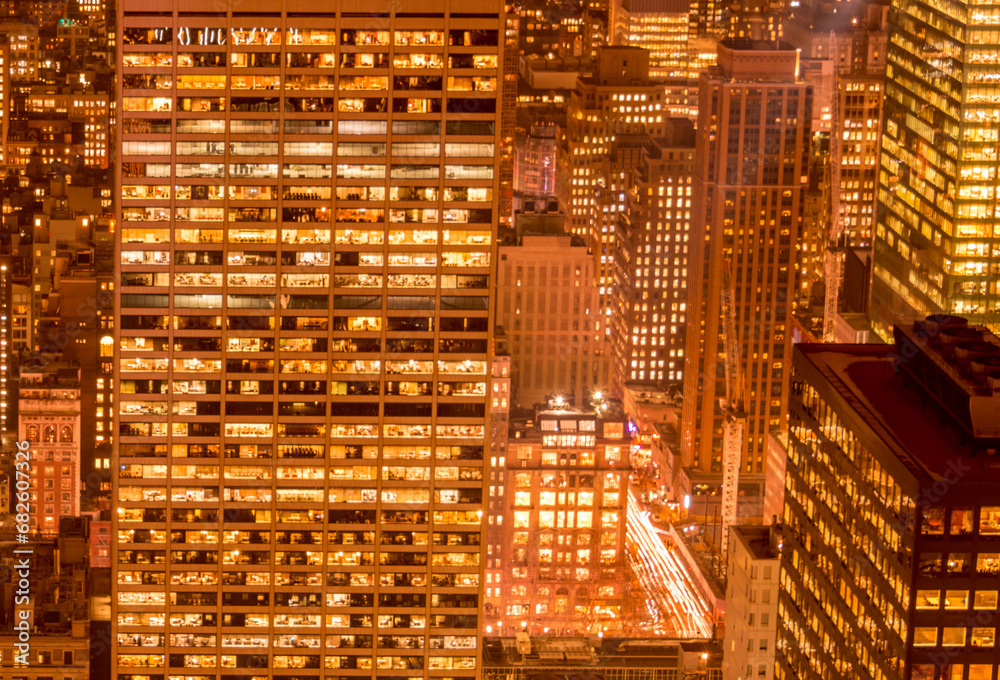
(673, 602)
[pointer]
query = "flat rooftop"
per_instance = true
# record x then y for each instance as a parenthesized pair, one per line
(582, 653)
(757, 539)
(865, 376)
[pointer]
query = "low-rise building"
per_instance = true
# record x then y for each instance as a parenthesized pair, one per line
(522, 657)
(49, 420)
(751, 603)
(56, 609)
(561, 563)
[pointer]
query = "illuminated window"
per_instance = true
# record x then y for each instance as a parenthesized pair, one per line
(952, 637)
(956, 599)
(983, 637)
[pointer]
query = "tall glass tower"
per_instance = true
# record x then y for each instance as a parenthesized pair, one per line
(307, 227)
(937, 238)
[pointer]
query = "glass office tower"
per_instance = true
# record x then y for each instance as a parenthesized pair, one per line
(307, 222)
(937, 238)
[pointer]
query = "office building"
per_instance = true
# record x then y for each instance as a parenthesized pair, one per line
(707, 19)
(546, 305)
(610, 115)
(22, 43)
(750, 179)
(306, 228)
(561, 565)
(49, 420)
(658, 223)
(936, 222)
(619, 99)
(658, 26)
(843, 52)
(891, 546)
(662, 28)
(751, 603)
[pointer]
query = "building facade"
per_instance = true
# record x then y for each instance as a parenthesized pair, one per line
(500, 426)
(609, 115)
(49, 420)
(661, 27)
(659, 232)
(562, 564)
(22, 42)
(86, 111)
(936, 229)
(892, 511)
(751, 603)
(750, 180)
(546, 304)
(306, 232)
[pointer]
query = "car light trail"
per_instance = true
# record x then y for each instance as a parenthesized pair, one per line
(664, 577)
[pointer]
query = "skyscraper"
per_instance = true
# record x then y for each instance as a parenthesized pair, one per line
(307, 223)
(609, 116)
(662, 27)
(659, 226)
(937, 222)
(750, 178)
(891, 543)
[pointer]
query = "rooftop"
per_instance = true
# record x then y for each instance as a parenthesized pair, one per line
(866, 378)
(757, 540)
(581, 652)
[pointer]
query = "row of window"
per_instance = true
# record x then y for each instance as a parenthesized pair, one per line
(244, 192)
(133, 82)
(308, 236)
(960, 636)
(302, 258)
(324, 149)
(961, 521)
(301, 430)
(302, 642)
(308, 104)
(188, 35)
(400, 60)
(132, 169)
(357, 452)
(428, 216)
(211, 279)
(207, 301)
(47, 435)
